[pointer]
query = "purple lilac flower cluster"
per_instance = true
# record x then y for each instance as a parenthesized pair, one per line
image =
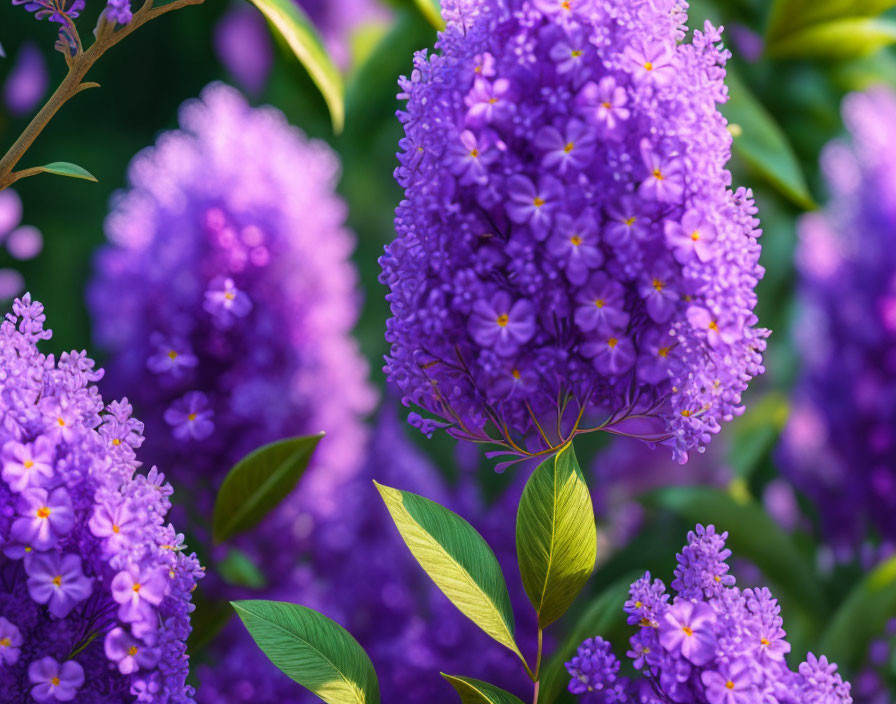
(570, 255)
(94, 586)
(840, 445)
(238, 333)
(359, 572)
(713, 643)
(65, 12)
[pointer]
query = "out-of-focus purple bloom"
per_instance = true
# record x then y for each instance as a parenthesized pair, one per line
(12, 283)
(840, 444)
(722, 645)
(25, 242)
(586, 181)
(239, 333)
(26, 83)
(356, 569)
(243, 44)
(66, 537)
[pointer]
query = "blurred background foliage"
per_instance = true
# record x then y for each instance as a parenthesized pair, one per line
(794, 60)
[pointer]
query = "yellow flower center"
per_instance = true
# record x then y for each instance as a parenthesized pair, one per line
(648, 66)
(606, 105)
(57, 580)
(612, 342)
(638, 604)
(631, 221)
(569, 147)
(61, 422)
(729, 684)
(538, 202)
(28, 464)
(516, 373)
(132, 651)
(695, 235)
(43, 512)
(576, 240)
(172, 354)
(658, 175)
(5, 642)
(764, 641)
(191, 417)
(492, 101)
(229, 295)
(136, 587)
(663, 352)
(688, 631)
(713, 325)
(566, 4)
(576, 53)
(474, 153)
(599, 302)
(658, 285)
(686, 413)
(116, 441)
(116, 529)
(503, 319)
(55, 681)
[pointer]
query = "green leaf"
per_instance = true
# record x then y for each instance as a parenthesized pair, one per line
(761, 143)
(64, 168)
(788, 16)
(556, 538)
(861, 617)
(457, 559)
(838, 39)
(236, 568)
(605, 617)
(301, 36)
(432, 11)
(260, 481)
(312, 649)
(754, 434)
(478, 692)
(753, 536)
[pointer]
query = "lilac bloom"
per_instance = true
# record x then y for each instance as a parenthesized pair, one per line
(687, 628)
(611, 355)
(517, 379)
(569, 53)
(484, 65)
(62, 417)
(601, 305)
(28, 465)
(563, 8)
(692, 238)
(730, 684)
(225, 301)
(471, 155)
(606, 105)
(55, 682)
(489, 102)
(243, 44)
(772, 644)
(44, 517)
(533, 206)
(716, 333)
(664, 180)
(658, 291)
(575, 244)
(624, 223)
(114, 523)
(172, 356)
(651, 63)
(138, 592)
(502, 324)
(57, 581)
(655, 352)
(128, 653)
(190, 417)
(571, 149)
(10, 642)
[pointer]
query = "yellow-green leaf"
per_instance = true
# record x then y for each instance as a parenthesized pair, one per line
(788, 16)
(312, 649)
(847, 38)
(301, 36)
(472, 691)
(260, 481)
(556, 538)
(64, 168)
(457, 559)
(432, 11)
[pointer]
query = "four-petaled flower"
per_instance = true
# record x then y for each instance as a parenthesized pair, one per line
(10, 642)
(44, 517)
(129, 653)
(113, 522)
(692, 238)
(533, 206)
(664, 179)
(190, 417)
(225, 301)
(502, 323)
(138, 592)
(29, 464)
(687, 628)
(730, 684)
(57, 581)
(54, 681)
(171, 356)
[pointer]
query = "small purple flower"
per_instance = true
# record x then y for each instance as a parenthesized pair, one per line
(114, 523)
(171, 357)
(687, 629)
(606, 103)
(44, 517)
(191, 417)
(692, 238)
(128, 652)
(655, 356)
(470, 156)
(657, 289)
(225, 301)
(57, 581)
(651, 63)
(489, 101)
(10, 642)
(663, 181)
(569, 53)
(502, 323)
(611, 354)
(601, 305)
(572, 148)
(28, 465)
(625, 224)
(717, 333)
(533, 206)
(55, 682)
(730, 684)
(138, 592)
(575, 244)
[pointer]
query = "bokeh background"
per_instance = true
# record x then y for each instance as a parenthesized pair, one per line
(784, 109)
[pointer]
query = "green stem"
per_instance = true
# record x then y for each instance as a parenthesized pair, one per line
(107, 36)
(538, 664)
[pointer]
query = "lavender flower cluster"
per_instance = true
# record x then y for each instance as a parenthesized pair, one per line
(65, 12)
(94, 586)
(711, 644)
(840, 445)
(570, 256)
(360, 573)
